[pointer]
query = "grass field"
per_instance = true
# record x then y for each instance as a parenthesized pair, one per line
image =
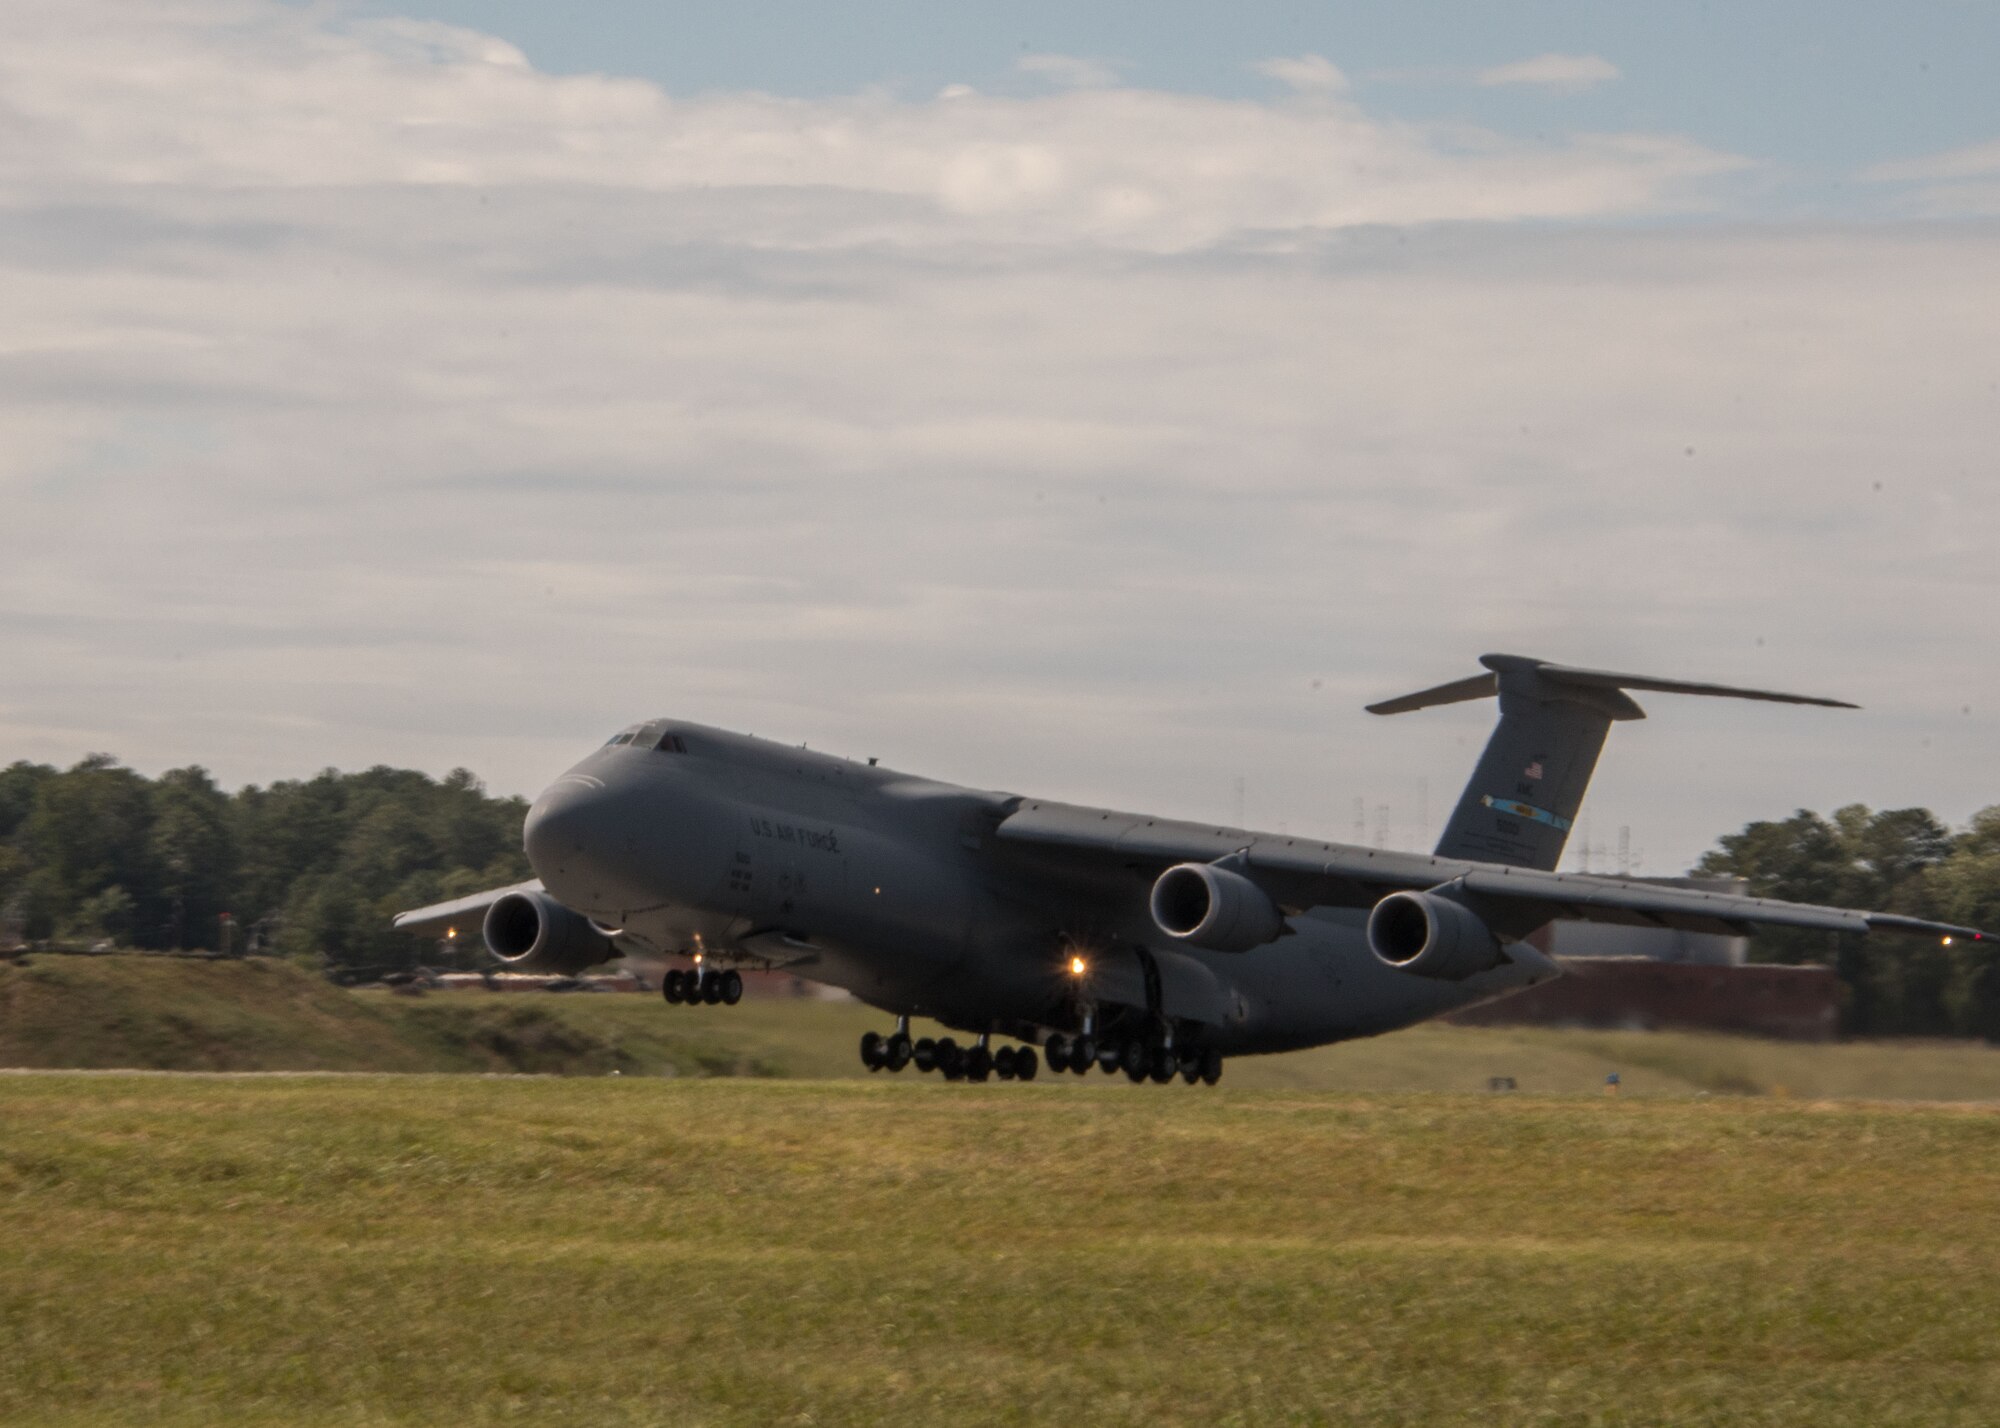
(106, 1012)
(444, 1250)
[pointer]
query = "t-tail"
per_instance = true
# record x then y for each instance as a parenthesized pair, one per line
(1524, 795)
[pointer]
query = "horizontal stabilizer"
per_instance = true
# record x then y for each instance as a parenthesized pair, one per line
(1559, 675)
(1483, 686)
(1479, 686)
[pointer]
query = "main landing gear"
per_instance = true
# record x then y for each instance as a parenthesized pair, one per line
(977, 1062)
(1139, 1058)
(701, 985)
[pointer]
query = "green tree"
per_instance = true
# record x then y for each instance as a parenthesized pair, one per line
(1967, 889)
(1862, 859)
(91, 830)
(194, 852)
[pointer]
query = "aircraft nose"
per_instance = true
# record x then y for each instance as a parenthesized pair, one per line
(561, 825)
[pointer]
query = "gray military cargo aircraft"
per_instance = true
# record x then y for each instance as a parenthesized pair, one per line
(1145, 945)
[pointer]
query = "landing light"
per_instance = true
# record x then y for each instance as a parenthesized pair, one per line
(450, 933)
(1947, 942)
(697, 959)
(1077, 966)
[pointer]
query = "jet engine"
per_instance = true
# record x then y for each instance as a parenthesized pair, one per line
(1432, 935)
(532, 932)
(1215, 908)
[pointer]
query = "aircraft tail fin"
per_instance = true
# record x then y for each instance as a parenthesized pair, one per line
(1529, 784)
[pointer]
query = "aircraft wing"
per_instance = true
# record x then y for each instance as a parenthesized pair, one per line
(461, 917)
(1301, 873)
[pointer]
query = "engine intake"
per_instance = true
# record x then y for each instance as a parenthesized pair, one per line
(532, 932)
(1215, 908)
(1432, 935)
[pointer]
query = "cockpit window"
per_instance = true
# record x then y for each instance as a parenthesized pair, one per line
(623, 736)
(671, 744)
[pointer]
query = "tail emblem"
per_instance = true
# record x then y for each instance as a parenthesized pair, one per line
(1525, 810)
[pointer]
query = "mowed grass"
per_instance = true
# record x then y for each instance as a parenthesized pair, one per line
(433, 1250)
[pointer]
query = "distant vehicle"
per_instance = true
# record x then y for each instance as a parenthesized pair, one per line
(1150, 946)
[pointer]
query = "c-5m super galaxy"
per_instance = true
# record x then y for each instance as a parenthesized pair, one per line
(1145, 945)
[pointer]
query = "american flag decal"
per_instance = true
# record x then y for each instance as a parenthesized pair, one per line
(1534, 770)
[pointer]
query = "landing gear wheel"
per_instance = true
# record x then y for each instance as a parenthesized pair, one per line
(1026, 1063)
(711, 990)
(925, 1054)
(1003, 1063)
(871, 1050)
(673, 986)
(1164, 1065)
(1056, 1048)
(950, 1059)
(1135, 1061)
(897, 1051)
(1083, 1054)
(732, 987)
(1211, 1066)
(1107, 1058)
(1190, 1067)
(978, 1064)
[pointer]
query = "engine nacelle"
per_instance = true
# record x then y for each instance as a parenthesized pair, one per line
(1432, 935)
(1214, 908)
(532, 932)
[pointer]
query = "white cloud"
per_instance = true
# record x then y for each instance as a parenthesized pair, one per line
(1956, 184)
(1971, 161)
(1553, 71)
(366, 395)
(1309, 74)
(167, 95)
(1068, 71)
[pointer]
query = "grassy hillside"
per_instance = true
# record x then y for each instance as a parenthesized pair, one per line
(254, 1015)
(422, 1250)
(260, 1015)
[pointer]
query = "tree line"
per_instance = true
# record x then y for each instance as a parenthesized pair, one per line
(311, 868)
(316, 868)
(1896, 860)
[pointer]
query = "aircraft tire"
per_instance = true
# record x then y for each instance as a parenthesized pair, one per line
(1056, 1048)
(673, 987)
(924, 1053)
(897, 1051)
(1003, 1063)
(1082, 1055)
(950, 1059)
(1211, 1066)
(732, 987)
(1164, 1066)
(1026, 1064)
(978, 1064)
(1134, 1060)
(711, 990)
(871, 1048)
(1190, 1067)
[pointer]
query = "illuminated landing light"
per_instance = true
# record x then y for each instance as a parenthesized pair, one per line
(1077, 966)
(450, 933)
(1947, 942)
(697, 959)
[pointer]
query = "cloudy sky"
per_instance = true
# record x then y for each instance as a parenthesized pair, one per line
(1102, 406)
